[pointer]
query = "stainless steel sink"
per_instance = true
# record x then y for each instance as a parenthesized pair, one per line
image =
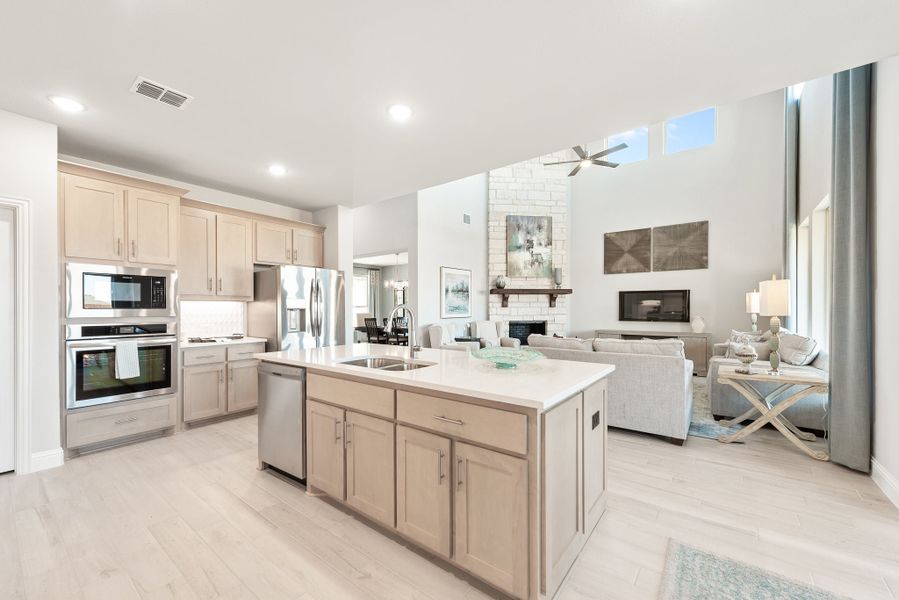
(385, 363)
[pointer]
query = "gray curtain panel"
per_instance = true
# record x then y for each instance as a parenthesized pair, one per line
(791, 197)
(851, 389)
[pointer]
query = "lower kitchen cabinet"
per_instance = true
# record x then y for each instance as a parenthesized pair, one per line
(424, 488)
(491, 517)
(203, 391)
(324, 448)
(243, 385)
(369, 444)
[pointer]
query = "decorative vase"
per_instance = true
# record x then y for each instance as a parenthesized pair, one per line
(557, 276)
(501, 281)
(747, 355)
(698, 324)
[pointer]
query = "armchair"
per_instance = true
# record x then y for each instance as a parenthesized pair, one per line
(491, 335)
(441, 336)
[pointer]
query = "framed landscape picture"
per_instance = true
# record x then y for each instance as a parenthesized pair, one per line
(455, 293)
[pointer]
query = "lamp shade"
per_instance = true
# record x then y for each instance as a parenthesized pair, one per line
(752, 303)
(774, 298)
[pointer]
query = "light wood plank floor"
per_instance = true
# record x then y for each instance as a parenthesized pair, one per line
(189, 516)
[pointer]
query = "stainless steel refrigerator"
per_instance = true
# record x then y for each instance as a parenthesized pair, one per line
(297, 307)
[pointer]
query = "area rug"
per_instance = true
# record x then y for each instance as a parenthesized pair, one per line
(692, 574)
(703, 424)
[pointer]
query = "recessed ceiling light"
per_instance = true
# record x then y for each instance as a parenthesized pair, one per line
(66, 104)
(399, 112)
(277, 170)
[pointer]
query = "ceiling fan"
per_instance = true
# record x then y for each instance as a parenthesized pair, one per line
(585, 161)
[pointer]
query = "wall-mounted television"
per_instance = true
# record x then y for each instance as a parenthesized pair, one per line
(666, 306)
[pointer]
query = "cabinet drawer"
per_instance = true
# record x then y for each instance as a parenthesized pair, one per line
(94, 426)
(245, 351)
(487, 426)
(203, 356)
(350, 394)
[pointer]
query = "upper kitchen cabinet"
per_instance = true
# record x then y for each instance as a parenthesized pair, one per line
(196, 259)
(274, 243)
(234, 256)
(113, 218)
(308, 247)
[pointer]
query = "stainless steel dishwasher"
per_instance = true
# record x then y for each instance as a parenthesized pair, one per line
(282, 399)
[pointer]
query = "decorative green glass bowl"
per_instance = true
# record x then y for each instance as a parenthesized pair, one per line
(507, 358)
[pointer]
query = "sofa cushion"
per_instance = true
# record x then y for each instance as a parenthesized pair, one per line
(645, 346)
(563, 343)
(798, 350)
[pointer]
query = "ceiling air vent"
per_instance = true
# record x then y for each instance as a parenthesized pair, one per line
(157, 91)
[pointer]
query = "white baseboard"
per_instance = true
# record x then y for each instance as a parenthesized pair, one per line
(48, 459)
(885, 481)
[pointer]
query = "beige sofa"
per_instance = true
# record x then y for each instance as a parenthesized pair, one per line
(651, 389)
(492, 334)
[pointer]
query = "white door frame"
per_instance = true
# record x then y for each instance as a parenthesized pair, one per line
(22, 370)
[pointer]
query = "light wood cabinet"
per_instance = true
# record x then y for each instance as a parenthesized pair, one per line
(308, 248)
(324, 448)
(98, 424)
(234, 256)
(94, 219)
(423, 488)
(203, 391)
(491, 517)
(274, 243)
(595, 439)
(370, 466)
(152, 227)
(196, 258)
(243, 385)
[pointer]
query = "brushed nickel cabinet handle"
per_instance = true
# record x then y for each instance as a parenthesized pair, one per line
(448, 420)
(221, 376)
(220, 284)
(118, 247)
(128, 420)
(440, 473)
(210, 284)
(459, 472)
(287, 254)
(337, 433)
(207, 356)
(133, 249)
(346, 434)
(294, 255)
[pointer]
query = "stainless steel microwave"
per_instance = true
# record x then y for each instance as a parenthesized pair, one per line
(99, 291)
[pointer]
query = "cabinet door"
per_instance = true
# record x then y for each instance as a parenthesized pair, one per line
(152, 227)
(423, 485)
(563, 534)
(94, 220)
(204, 391)
(370, 467)
(324, 448)
(308, 248)
(243, 385)
(274, 243)
(234, 256)
(196, 259)
(595, 436)
(491, 517)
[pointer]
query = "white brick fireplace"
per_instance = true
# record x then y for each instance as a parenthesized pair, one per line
(529, 188)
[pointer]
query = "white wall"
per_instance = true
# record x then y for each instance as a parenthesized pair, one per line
(446, 241)
(736, 184)
(885, 188)
(204, 194)
(815, 144)
(28, 171)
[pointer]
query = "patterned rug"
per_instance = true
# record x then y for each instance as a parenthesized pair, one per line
(703, 424)
(691, 574)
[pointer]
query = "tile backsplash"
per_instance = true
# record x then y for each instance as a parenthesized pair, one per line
(211, 319)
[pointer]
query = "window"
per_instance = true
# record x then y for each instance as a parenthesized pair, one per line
(637, 141)
(360, 292)
(690, 131)
(814, 264)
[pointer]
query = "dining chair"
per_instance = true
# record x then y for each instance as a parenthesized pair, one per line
(375, 334)
(401, 338)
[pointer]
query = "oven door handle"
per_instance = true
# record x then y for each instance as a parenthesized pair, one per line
(93, 345)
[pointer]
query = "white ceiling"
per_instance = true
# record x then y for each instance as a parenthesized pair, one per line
(307, 84)
(383, 260)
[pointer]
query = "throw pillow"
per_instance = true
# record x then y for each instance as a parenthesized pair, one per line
(798, 350)
(754, 336)
(761, 348)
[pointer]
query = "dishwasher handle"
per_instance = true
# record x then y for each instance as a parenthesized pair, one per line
(284, 371)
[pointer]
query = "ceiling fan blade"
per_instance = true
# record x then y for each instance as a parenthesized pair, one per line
(575, 170)
(564, 162)
(603, 163)
(621, 146)
(580, 152)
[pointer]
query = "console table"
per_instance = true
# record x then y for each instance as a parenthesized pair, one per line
(696, 345)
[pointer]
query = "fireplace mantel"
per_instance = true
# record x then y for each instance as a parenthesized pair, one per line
(553, 293)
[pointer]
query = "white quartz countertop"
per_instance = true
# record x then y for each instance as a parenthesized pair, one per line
(540, 384)
(185, 345)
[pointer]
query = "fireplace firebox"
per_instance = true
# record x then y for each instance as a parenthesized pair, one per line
(520, 330)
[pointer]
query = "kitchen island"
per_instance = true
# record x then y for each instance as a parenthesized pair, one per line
(501, 473)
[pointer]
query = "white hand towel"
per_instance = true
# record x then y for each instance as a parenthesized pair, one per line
(127, 365)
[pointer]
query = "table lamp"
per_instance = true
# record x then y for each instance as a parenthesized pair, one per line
(752, 307)
(774, 300)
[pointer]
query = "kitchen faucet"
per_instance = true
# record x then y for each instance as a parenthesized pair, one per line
(413, 337)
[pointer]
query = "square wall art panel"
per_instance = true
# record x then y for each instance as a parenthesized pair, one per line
(529, 242)
(681, 247)
(628, 251)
